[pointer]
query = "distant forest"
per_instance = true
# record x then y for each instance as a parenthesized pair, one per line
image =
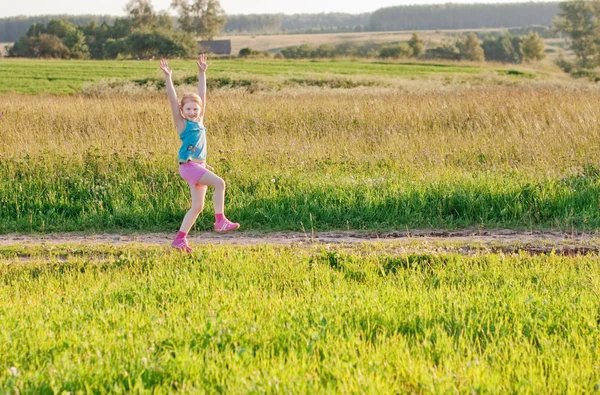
(463, 16)
(422, 17)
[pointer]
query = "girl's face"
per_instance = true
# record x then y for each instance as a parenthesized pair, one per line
(191, 111)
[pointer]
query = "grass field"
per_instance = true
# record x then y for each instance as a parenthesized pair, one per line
(295, 320)
(303, 146)
(322, 159)
(57, 76)
(276, 42)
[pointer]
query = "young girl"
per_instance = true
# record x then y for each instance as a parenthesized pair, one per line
(188, 115)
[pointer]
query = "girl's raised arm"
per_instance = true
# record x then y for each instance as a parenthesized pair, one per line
(202, 66)
(177, 118)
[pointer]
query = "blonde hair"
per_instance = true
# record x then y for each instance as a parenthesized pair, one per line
(187, 97)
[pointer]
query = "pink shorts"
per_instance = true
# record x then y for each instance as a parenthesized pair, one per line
(192, 172)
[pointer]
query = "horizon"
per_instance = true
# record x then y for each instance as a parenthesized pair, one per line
(116, 8)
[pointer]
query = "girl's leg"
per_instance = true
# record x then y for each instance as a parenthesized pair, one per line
(212, 180)
(222, 224)
(198, 193)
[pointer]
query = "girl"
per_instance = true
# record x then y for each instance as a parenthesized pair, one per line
(188, 115)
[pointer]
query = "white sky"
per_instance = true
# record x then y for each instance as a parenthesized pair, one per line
(116, 7)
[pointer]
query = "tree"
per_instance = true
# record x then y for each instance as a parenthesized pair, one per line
(141, 13)
(532, 47)
(50, 46)
(164, 21)
(24, 47)
(325, 51)
(447, 50)
(204, 18)
(471, 49)
(395, 51)
(579, 20)
(144, 35)
(75, 41)
(112, 48)
(36, 29)
(505, 48)
(60, 28)
(159, 43)
(416, 44)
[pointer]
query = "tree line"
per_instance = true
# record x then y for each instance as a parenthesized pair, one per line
(462, 16)
(506, 48)
(577, 20)
(143, 33)
(426, 17)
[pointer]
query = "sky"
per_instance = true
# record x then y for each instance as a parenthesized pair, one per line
(117, 7)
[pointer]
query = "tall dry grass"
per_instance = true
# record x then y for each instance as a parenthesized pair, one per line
(545, 131)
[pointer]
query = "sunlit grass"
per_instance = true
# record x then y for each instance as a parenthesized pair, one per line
(360, 159)
(59, 76)
(265, 319)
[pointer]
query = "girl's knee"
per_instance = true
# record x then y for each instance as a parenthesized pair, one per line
(220, 184)
(197, 208)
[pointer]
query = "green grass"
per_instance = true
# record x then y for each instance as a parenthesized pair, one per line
(111, 193)
(278, 320)
(61, 76)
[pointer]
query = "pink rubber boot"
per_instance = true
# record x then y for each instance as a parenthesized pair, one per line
(181, 244)
(225, 225)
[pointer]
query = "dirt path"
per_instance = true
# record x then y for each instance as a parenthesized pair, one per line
(462, 241)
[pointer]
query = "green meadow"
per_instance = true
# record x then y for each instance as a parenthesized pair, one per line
(305, 146)
(295, 320)
(59, 76)
(314, 158)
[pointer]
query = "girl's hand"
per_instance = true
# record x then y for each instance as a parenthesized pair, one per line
(201, 62)
(165, 67)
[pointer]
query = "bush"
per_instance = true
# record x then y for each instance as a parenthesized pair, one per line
(416, 45)
(50, 46)
(247, 52)
(448, 52)
(160, 43)
(23, 48)
(303, 51)
(471, 49)
(563, 63)
(506, 49)
(396, 51)
(325, 51)
(532, 47)
(113, 47)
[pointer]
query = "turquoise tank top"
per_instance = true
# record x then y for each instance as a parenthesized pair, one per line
(193, 142)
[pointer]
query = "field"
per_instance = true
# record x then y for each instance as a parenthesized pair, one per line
(363, 157)
(274, 43)
(30, 76)
(353, 147)
(269, 319)
(3, 51)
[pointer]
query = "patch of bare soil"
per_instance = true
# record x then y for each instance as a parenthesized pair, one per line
(464, 241)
